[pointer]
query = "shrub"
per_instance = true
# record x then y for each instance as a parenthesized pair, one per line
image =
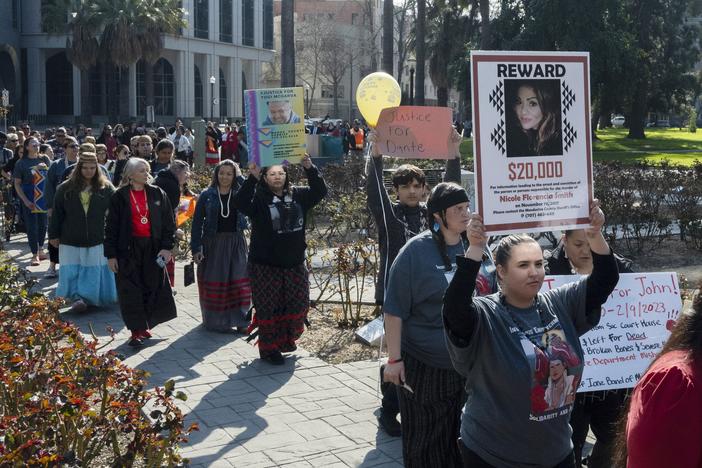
(63, 402)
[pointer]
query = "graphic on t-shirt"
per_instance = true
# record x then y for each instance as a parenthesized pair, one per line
(286, 215)
(557, 374)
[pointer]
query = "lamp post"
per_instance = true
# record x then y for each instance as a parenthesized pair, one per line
(213, 80)
(411, 96)
(307, 100)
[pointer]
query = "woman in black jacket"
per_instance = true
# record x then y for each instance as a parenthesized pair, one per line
(279, 283)
(596, 410)
(139, 236)
(77, 229)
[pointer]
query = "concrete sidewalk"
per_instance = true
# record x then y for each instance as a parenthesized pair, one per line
(306, 413)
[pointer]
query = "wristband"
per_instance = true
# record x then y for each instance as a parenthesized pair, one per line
(394, 361)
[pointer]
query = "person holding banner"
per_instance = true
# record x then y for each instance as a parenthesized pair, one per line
(139, 237)
(219, 249)
(279, 280)
(30, 174)
(430, 391)
(77, 229)
(506, 345)
(598, 411)
(664, 423)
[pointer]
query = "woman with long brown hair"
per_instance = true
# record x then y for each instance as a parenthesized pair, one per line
(533, 118)
(77, 229)
(664, 424)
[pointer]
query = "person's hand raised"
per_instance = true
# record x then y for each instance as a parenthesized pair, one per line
(477, 237)
(597, 219)
(306, 161)
(372, 139)
(254, 170)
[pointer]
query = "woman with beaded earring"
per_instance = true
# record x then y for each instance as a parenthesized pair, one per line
(219, 249)
(429, 390)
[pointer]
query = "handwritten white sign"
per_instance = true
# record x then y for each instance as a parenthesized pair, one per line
(636, 322)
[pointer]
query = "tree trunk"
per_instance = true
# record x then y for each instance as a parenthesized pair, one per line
(420, 51)
(287, 53)
(637, 115)
(485, 29)
(335, 88)
(85, 107)
(388, 36)
(104, 89)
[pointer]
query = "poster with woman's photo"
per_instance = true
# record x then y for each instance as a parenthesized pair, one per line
(532, 142)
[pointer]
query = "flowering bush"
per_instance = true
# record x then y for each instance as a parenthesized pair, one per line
(63, 402)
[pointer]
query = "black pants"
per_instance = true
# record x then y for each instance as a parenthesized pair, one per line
(599, 411)
(53, 254)
(389, 404)
(431, 415)
(473, 460)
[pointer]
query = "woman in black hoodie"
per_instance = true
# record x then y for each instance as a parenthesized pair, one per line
(596, 410)
(279, 281)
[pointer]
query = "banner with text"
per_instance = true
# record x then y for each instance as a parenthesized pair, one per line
(532, 145)
(275, 128)
(415, 132)
(636, 322)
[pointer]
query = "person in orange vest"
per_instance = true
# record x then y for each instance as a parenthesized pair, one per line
(356, 138)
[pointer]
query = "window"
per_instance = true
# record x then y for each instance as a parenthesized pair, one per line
(354, 18)
(164, 88)
(59, 85)
(247, 20)
(15, 14)
(328, 91)
(299, 45)
(267, 24)
(222, 94)
(201, 14)
(225, 21)
(198, 93)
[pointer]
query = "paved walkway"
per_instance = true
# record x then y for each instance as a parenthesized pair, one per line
(306, 413)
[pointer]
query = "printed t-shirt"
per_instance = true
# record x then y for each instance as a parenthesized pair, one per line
(415, 292)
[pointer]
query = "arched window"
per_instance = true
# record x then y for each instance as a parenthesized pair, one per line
(59, 85)
(164, 87)
(198, 93)
(222, 95)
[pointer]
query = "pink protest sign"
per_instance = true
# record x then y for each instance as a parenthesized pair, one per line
(415, 132)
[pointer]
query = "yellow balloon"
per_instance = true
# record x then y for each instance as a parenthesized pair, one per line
(376, 92)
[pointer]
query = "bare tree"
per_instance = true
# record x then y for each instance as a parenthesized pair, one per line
(314, 34)
(371, 40)
(404, 37)
(335, 59)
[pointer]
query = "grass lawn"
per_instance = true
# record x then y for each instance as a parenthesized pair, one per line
(660, 144)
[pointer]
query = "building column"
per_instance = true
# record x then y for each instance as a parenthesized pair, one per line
(36, 80)
(235, 88)
(258, 25)
(133, 91)
(180, 81)
(76, 91)
(236, 22)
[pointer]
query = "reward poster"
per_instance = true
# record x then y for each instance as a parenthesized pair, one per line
(532, 140)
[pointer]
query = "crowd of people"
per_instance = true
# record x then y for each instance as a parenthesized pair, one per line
(483, 369)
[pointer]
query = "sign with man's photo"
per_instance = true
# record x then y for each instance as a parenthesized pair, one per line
(532, 141)
(275, 127)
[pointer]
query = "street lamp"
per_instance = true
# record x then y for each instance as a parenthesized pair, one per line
(307, 99)
(213, 80)
(411, 96)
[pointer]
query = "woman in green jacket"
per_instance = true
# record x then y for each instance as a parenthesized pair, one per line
(77, 228)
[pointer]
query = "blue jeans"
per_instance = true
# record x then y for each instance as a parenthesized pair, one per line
(35, 224)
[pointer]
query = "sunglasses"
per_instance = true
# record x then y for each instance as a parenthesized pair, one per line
(13, 141)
